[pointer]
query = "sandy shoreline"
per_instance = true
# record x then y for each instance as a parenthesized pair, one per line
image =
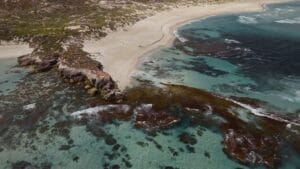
(120, 51)
(13, 50)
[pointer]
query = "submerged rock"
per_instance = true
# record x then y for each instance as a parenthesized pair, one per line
(251, 148)
(22, 165)
(186, 138)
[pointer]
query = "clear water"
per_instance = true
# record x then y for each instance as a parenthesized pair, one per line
(10, 75)
(47, 136)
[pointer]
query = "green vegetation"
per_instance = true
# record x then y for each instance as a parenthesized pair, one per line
(27, 19)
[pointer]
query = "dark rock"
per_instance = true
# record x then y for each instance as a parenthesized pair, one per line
(115, 167)
(127, 163)
(22, 165)
(251, 148)
(105, 166)
(123, 149)
(26, 60)
(169, 167)
(190, 149)
(96, 131)
(152, 120)
(76, 158)
(40, 59)
(109, 140)
(157, 145)
(46, 166)
(142, 144)
(65, 147)
(116, 147)
(74, 65)
(77, 63)
(173, 151)
(115, 112)
(46, 65)
(186, 138)
(112, 156)
(206, 154)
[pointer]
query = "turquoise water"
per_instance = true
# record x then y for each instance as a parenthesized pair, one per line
(38, 129)
(10, 75)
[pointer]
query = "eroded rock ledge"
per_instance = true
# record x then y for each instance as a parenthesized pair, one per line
(75, 66)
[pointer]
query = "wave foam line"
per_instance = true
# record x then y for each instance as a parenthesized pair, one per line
(95, 110)
(261, 112)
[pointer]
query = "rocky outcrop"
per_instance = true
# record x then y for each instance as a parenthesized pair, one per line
(250, 148)
(149, 119)
(75, 65)
(40, 60)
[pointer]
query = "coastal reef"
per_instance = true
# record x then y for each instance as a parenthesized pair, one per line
(181, 113)
(75, 66)
(180, 106)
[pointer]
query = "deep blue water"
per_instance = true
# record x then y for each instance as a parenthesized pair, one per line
(254, 55)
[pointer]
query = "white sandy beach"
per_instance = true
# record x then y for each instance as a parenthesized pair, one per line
(120, 51)
(13, 50)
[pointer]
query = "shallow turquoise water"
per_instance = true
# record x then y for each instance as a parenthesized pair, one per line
(10, 75)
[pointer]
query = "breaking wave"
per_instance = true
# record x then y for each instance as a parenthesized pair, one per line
(289, 21)
(231, 41)
(182, 39)
(262, 113)
(94, 111)
(247, 20)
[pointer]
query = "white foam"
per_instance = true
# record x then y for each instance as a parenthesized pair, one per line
(95, 110)
(247, 20)
(289, 21)
(29, 106)
(182, 39)
(230, 41)
(262, 113)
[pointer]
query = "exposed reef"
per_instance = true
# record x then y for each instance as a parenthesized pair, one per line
(177, 106)
(75, 66)
(247, 143)
(251, 147)
(152, 120)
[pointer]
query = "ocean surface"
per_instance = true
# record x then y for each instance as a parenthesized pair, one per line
(253, 55)
(248, 55)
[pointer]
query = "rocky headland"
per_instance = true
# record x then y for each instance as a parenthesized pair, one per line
(75, 66)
